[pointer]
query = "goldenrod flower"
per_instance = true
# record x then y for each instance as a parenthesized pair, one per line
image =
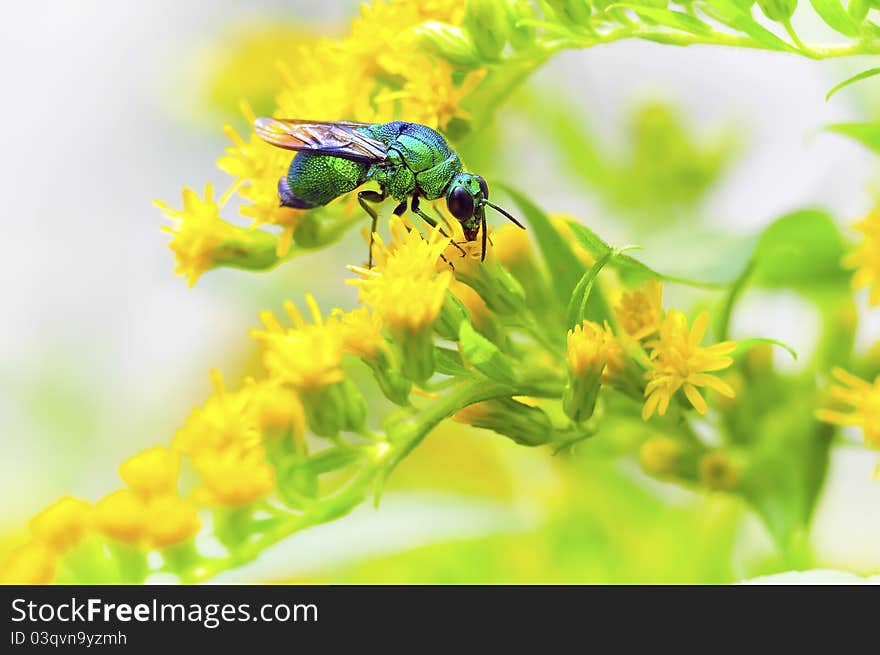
(586, 357)
(61, 525)
(361, 332)
(307, 356)
(864, 401)
(121, 515)
(170, 520)
(226, 419)
(586, 350)
(32, 563)
(678, 361)
(407, 291)
(152, 472)
(523, 423)
(277, 408)
(640, 312)
(405, 287)
(865, 257)
(202, 240)
(257, 167)
(233, 477)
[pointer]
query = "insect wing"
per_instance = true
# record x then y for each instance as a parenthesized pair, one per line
(340, 139)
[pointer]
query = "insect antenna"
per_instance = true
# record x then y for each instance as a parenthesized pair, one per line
(504, 213)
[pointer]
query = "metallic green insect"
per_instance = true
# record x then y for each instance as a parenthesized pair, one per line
(408, 161)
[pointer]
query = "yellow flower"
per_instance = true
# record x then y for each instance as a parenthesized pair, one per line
(61, 525)
(678, 361)
(307, 356)
(32, 563)
(152, 472)
(865, 257)
(864, 401)
(587, 355)
(257, 167)
(640, 312)
(233, 477)
(405, 287)
(277, 408)
(361, 332)
(512, 245)
(170, 520)
(198, 231)
(226, 419)
(586, 350)
(121, 515)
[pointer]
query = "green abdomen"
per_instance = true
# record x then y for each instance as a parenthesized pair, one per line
(318, 179)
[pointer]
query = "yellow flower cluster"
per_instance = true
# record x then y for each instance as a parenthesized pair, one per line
(148, 511)
(223, 439)
(54, 532)
(675, 357)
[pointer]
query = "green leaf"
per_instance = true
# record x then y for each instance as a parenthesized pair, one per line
(484, 355)
(867, 133)
(448, 362)
(564, 266)
(852, 80)
(668, 18)
(631, 270)
(744, 345)
(731, 14)
(577, 307)
(834, 15)
(801, 250)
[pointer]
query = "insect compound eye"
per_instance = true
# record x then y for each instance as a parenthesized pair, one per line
(483, 187)
(460, 203)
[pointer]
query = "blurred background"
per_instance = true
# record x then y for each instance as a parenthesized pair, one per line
(104, 351)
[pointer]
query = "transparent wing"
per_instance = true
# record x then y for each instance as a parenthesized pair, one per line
(337, 138)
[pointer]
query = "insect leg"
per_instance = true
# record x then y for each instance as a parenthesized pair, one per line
(414, 205)
(374, 197)
(483, 228)
(398, 211)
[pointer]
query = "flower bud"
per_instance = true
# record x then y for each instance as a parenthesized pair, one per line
(485, 23)
(520, 36)
(393, 384)
(451, 316)
(335, 407)
(449, 42)
(778, 10)
(524, 424)
(586, 362)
